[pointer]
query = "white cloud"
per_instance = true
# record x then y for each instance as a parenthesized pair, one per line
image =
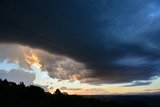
(18, 76)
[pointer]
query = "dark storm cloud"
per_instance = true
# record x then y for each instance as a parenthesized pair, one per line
(117, 40)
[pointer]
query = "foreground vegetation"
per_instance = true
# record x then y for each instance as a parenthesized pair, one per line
(13, 95)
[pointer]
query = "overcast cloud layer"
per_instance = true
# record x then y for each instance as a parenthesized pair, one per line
(118, 40)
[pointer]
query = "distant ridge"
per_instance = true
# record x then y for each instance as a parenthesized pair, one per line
(13, 95)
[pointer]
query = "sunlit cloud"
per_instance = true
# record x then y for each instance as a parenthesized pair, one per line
(52, 71)
(33, 59)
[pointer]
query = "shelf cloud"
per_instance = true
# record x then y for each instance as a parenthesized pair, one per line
(116, 41)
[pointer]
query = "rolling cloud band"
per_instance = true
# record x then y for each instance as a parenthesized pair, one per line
(118, 41)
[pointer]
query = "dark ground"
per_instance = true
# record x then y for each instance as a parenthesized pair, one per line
(147, 100)
(13, 95)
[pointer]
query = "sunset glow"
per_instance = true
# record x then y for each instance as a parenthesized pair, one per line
(61, 77)
(33, 59)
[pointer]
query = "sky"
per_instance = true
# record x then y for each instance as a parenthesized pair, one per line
(82, 47)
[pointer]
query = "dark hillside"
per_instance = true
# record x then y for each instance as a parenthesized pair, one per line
(13, 95)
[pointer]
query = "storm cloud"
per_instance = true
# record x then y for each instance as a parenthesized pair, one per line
(118, 41)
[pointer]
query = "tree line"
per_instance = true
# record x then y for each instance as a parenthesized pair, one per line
(19, 95)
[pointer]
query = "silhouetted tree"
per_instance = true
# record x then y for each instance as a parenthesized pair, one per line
(65, 93)
(35, 89)
(21, 84)
(5, 83)
(13, 95)
(57, 92)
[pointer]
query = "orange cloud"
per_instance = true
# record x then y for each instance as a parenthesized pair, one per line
(33, 59)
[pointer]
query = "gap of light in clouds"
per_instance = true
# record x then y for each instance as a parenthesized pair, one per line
(33, 64)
